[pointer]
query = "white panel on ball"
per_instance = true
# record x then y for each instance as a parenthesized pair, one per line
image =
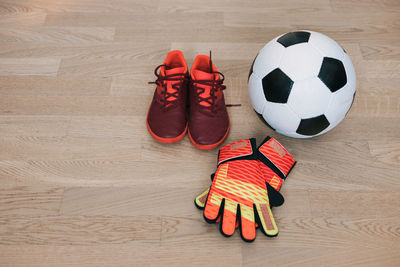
(326, 46)
(340, 105)
(280, 116)
(301, 61)
(268, 58)
(303, 95)
(256, 93)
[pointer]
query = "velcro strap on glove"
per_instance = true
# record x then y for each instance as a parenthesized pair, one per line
(276, 157)
(240, 150)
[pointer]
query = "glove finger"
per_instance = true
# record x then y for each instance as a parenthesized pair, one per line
(266, 220)
(212, 208)
(228, 222)
(275, 197)
(200, 200)
(247, 223)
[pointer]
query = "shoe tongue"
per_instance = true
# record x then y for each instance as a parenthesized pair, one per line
(174, 71)
(201, 75)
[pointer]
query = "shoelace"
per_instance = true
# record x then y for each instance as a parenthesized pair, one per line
(161, 81)
(215, 86)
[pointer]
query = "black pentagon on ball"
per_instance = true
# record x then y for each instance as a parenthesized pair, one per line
(313, 126)
(292, 38)
(263, 120)
(332, 74)
(277, 86)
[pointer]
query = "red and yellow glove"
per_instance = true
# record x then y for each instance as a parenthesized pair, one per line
(275, 163)
(239, 193)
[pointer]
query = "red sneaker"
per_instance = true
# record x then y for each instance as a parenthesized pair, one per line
(209, 120)
(166, 118)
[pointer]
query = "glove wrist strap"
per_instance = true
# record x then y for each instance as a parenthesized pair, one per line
(276, 157)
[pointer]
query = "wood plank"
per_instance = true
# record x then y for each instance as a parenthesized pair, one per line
(372, 106)
(314, 256)
(29, 66)
(132, 85)
(26, 200)
(67, 148)
(327, 176)
(103, 171)
(386, 152)
(20, 16)
(134, 17)
(378, 87)
(295, 232)
(137, 200)
(181, 151)
(107, 126)
(250, 7)
(54, 86)
(349, 204)
(128, 255)
(368, 6)
(50, 126)
(57, 35)
(72, 105)
(104, 67)
(219, 33)
(379, 69)
(77, 230)
(343, 27)
(380, 50)
(84, 6)
(140, 52)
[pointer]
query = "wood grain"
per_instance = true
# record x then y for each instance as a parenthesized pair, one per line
(71, 105)
(30, 200)
(312, 256)
(77, 230)
(53, 86)
(295, 231)
(31, 66)
(83, 183)
(386, 152)
(58, 35)
(135, 254)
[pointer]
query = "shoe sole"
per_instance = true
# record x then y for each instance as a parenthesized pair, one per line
(167, 140)
(211, 146)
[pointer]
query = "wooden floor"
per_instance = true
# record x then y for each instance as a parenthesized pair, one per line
(82, 183)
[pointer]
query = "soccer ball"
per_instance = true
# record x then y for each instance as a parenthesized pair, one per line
(302, 84)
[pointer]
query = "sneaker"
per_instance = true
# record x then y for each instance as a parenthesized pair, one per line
(166, 118)
(208, 117)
